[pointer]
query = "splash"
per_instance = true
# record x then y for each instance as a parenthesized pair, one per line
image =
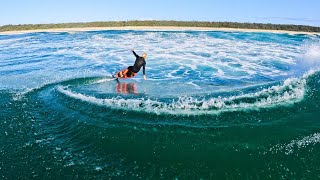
(295, 145)
(292, 90)
(311, 56)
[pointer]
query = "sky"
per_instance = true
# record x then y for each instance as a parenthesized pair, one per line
(301, 12)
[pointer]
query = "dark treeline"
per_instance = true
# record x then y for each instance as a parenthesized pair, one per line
(163, 23)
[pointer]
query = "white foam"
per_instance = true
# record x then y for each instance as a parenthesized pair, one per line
(312, 54)
(296, 144)
(167, 52)
(194, 85)
(182, 48)
(10, 41)
(292, 90)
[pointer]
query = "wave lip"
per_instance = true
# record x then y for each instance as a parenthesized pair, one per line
(312, 55)
(292, 90)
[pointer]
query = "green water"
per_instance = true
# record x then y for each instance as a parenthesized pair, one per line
(45, 136)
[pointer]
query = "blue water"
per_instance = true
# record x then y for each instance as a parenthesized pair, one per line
(214, 105)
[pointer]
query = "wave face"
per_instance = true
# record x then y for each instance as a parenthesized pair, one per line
(215, 105)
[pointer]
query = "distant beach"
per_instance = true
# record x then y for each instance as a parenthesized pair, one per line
(156, 28)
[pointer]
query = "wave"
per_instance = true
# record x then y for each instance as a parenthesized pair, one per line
(13, 40)
(308, 59)
(292, 90)
(20, 94)
(312, 54)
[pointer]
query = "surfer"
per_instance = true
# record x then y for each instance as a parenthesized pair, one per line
(132, 70)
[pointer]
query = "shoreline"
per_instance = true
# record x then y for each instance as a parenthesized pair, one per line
(157, 28)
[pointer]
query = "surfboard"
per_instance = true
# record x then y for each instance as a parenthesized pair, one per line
(116, 78)
(105, 79)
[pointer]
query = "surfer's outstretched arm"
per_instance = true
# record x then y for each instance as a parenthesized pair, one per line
(134, 53)
(144, 72)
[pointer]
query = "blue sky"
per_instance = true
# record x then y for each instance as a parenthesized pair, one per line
(305, 12)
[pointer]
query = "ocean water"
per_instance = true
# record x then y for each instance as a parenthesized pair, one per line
(215, 105)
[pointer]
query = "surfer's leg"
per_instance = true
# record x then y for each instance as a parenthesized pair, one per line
(129, 71)
(120, 74)
(124, 73)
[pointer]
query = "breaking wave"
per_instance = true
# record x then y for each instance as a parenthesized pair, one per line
(290, 91)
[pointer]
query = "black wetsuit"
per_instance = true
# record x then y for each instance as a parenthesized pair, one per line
(140, 61)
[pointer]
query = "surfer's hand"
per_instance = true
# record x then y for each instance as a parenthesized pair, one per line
(132, 49)
(144, 77)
